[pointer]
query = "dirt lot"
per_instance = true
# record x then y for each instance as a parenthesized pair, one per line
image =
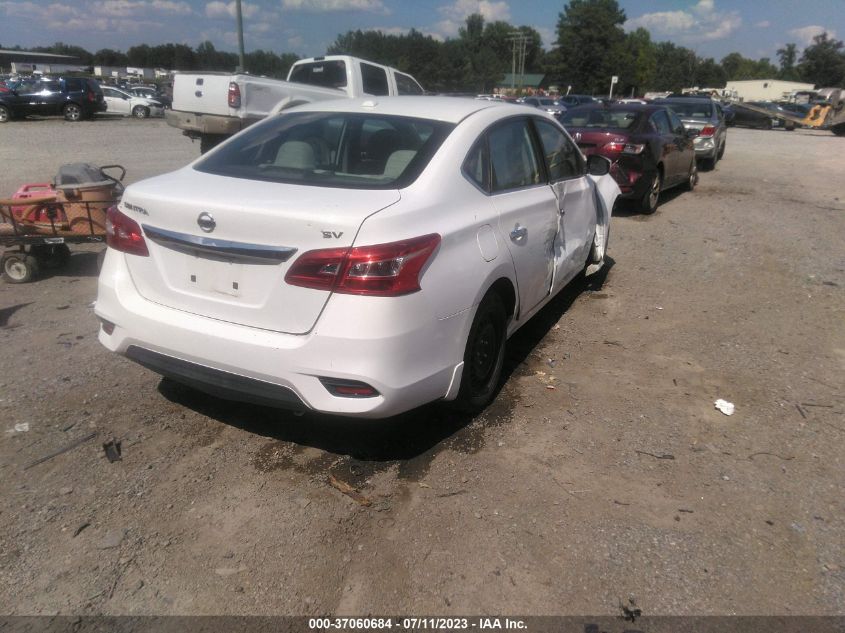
(601, 472)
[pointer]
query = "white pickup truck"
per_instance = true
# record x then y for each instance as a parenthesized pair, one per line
(212, 106)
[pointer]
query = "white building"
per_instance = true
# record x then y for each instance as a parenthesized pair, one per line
(765, 89)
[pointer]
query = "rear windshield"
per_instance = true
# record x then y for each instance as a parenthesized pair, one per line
(331, 149)
(328, 74)
(600, 118)
(691, 109)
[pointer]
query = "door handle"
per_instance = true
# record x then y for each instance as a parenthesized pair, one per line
(518, 233)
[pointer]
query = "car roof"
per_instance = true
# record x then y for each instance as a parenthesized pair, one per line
(448, 109)
(683, 99)
(634, 107)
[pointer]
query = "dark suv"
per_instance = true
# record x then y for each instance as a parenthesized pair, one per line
(75, 98)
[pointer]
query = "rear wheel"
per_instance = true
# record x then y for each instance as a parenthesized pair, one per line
(210, 141)
(648, 203)
(839, 130)
(140, 112)
(709, 164)
(5, 115)
(72, 112)
(484, 355)
(692, 177)
(19, 268)
(722, 150)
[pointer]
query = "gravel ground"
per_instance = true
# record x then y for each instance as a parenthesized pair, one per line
(622, 481)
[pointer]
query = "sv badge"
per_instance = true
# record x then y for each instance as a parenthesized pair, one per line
(331, 234)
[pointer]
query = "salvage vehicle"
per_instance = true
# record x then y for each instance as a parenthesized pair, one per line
(125, 104)
(357, 257)
(649, 146)
(705, 115)
(75, 98)
(211, 106)
(150, 92)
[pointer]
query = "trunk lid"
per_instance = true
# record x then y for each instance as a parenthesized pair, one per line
(235, 272)
(591, 140)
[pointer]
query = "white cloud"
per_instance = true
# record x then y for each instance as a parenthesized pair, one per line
(168, 6)
(548, 36)
(763, 25)
(805, 34)
(326, 6)
(454, 15)
(701, 22)
(219, 9)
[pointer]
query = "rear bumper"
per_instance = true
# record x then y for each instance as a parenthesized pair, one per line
(403, 351)
(204, 123)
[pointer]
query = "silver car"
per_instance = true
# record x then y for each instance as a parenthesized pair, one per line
(706, 116)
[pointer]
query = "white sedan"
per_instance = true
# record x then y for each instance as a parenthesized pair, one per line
(125, 104)
(354, 257)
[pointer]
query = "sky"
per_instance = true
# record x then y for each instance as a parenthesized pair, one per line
(713, 28)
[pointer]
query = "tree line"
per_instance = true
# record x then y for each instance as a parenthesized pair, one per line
(591, 46)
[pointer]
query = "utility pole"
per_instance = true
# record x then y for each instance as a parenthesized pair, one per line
(519, 45)
(240, 36)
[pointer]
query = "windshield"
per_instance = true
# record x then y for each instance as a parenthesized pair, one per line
(692, 109)
(600, 118)
(331, 149)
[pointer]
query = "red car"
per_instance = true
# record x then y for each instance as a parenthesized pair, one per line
(647, 144)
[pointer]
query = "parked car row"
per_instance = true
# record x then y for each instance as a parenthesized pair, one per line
(75, 98)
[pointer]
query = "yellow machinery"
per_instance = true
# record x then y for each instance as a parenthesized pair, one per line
(829, 115)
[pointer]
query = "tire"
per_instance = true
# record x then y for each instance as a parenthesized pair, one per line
(596, 255)
(5, 114)
(484, 355)
(648, 203)
(839, 129)
(210, 141)
(72, 112)
(19, 268)
(140, 112)
(709, 164)
(722, 150)
(692, 177)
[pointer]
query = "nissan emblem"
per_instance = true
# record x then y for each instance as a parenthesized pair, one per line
(206, 222)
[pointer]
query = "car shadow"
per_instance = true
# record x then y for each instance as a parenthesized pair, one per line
(630, 208)
(414, 437)
(80, 264)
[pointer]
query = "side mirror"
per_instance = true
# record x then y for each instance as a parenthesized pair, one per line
(693, 133)
(598, 165)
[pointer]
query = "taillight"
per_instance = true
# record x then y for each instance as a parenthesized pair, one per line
(124, 234)
(708, 130)
(234, 95)
(383, 270)
(624, 148)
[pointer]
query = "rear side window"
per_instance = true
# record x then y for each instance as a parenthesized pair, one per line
(328, 74)
(660, 121)
(477, 165)
(512, 157)
(374, 80)
(406, 85)
(74, 85)
(563, 160)
(331, 149)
